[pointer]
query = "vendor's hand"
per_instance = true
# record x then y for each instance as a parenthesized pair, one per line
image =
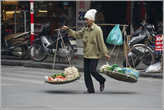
(64, 27)
(107, 57)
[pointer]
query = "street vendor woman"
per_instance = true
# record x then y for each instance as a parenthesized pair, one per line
(94, 49)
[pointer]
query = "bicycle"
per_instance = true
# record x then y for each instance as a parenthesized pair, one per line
(142, 49)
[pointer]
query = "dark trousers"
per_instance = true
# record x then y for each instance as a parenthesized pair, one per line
(90, 69)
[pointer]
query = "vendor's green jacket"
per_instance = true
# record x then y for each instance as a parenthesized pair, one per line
(94, 46)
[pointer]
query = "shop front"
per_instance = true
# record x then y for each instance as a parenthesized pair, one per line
(16, 14)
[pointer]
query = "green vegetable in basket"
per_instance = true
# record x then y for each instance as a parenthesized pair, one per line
(53, 76)
(114, 66)
(118, 69)
(57, 74)
(60, 74)
(110, 68)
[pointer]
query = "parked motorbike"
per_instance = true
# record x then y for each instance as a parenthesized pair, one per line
(142, 47)
(46, 45)
(15, 44)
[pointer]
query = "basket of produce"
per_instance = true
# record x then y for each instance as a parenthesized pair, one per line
(70, 74)
(118, 73)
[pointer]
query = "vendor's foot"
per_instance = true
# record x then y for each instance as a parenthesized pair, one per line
(89, 92)
(86, 92)
(102, 86)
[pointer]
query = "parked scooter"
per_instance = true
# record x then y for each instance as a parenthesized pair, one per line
(15, 44)
(46, 45)
(142, 47)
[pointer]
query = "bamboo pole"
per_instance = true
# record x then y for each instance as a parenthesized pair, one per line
(124, 25)
(112, 25)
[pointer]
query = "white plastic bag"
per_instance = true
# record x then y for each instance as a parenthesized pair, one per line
(154, 67)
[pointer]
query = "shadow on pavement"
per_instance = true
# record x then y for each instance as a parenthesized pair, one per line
(119, 92)
(82, 92)
(62, 92)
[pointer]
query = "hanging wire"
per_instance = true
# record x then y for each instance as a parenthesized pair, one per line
(63, 47)
(126, 48)
(117, 50)
(54, 60)
(111, 62)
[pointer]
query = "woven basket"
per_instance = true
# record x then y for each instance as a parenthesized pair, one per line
(121, 76)
(65, 81)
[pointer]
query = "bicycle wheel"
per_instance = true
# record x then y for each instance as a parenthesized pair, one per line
(140, 56)
(38, 53)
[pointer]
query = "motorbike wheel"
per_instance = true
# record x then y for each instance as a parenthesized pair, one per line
(139, 54)
(38, 53)
(20, 52)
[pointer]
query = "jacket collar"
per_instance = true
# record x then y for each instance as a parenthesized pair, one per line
(92, 27)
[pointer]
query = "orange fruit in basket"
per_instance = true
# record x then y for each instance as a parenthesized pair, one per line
(61, 77)
(50, 78)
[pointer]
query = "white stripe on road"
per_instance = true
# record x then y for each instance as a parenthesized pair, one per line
(23, 80)
(6, 84)
(30, 81)
(76, 108)
(27, 76)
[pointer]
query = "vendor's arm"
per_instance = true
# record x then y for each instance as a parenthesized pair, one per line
(74, 34)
